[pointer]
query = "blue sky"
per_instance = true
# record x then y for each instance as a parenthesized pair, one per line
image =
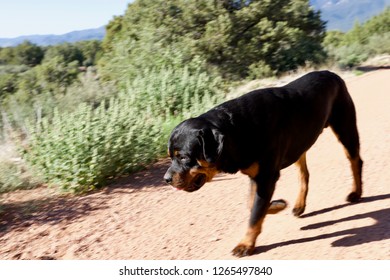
(28, 17)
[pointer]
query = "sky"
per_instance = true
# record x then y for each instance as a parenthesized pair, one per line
(42, 17)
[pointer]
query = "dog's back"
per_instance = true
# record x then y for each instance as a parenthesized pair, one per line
(289, 117)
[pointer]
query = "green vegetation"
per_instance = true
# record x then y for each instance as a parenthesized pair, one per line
(16, 176)
(234, 38)
(363, 41)
(78, 115)
(79, 151)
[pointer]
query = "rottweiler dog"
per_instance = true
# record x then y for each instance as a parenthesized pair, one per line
(259, 134)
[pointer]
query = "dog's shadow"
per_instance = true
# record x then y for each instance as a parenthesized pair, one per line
(350, 237)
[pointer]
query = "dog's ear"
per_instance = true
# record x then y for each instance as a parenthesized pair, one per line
(212, 144)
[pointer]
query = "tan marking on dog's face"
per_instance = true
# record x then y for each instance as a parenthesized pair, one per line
(203, 163)
(204, 168)
(189, 180)
(252, 170)
(178, 180)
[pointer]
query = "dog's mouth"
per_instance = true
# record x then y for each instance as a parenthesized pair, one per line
(197, 183)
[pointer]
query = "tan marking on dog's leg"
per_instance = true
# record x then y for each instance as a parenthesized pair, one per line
(300, 203)
(252, 170)
(265, 186)
(276, 205)
(356, 166)
(252, 192)
(247, 244)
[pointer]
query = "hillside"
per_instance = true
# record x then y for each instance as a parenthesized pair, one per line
(46, 40)
(342, 14)
(339, 15)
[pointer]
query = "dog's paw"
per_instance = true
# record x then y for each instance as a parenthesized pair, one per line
(243, 250)
(354, 197)
(298, 211)
(277, 206)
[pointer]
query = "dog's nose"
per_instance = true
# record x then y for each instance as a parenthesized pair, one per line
(168, 178)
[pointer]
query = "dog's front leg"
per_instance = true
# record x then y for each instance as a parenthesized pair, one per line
(265, 186)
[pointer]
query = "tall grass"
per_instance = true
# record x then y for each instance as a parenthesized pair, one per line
(14, 172)
(81, 150)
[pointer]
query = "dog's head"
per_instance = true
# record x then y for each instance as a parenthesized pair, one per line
(194, 147)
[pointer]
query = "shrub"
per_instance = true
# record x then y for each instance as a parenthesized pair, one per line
(367, 40)
(173, 92)
(349, 56)
(260, 70)
(14, 173)
(354, 54)
(81, 150)
(379, 44)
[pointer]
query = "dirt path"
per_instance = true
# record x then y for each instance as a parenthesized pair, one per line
(141, 218)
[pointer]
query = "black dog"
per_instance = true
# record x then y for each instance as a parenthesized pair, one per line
(261, 133)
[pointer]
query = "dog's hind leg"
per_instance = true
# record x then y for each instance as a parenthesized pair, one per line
(344, 126)
(300, 203)
(357, 166)
(352, 152)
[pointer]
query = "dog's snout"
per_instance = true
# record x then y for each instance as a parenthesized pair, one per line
(168, 178)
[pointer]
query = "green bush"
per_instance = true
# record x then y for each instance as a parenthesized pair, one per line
(8, 78)
(360, 43)
(173, 92)
(350, 56)
(260, 70)
(355, 54)
(14, 172)
(81, 150)
(15, 176)
(379, 44)
(32, 101)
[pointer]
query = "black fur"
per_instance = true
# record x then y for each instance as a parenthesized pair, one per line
(269, 127)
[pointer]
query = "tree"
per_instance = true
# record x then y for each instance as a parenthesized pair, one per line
(66, 52)
(28, 53)
(333, 38)
(7, 84)
(280, 34)
(90, 50)
(7, 56)
(56, 74)
(235, 37)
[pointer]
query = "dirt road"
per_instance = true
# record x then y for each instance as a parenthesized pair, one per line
(141, 218)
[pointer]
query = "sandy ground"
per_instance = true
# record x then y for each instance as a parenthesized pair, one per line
(141, 218)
